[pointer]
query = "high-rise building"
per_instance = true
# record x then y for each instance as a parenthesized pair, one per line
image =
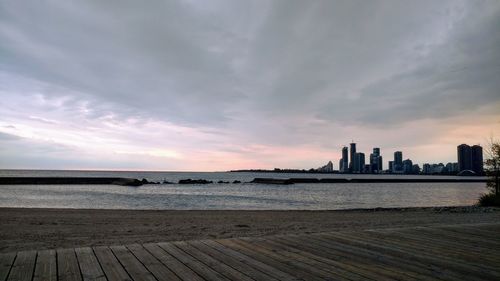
(375, 161)
(391, 166)
(470, 158)
(477, 159)
(407, 166)
(464, 157)
(359, 162)
(353, 158)
(397, 165)
(345, 160)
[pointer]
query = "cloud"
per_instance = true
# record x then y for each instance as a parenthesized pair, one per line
(191, 80)
(7, 137)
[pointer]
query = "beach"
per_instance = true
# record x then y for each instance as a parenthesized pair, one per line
(36, 229)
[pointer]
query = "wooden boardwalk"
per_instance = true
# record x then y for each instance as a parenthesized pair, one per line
(459, 252)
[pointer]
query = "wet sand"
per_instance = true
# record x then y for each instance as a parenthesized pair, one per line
(23, 229)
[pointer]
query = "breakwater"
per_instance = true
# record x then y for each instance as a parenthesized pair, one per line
(283, 181)
(71, 180)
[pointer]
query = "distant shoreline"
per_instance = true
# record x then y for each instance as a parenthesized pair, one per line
(137, 182)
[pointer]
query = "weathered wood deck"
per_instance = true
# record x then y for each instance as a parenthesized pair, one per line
(460, 252)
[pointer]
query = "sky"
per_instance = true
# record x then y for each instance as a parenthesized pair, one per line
(198, 85)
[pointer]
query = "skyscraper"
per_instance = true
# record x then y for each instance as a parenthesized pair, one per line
(353, 158)
(464, 157)
(470, 158)
(397, 165)
(359, 163)
(345, 160)
(375, 161)
(477, 159)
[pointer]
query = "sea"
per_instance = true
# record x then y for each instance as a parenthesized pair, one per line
(229, 196)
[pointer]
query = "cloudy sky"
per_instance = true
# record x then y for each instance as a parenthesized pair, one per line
(217, 85)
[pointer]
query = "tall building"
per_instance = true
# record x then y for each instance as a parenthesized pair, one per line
(380, 164)
(464, 157)
(477, 159)
(359, 162)
(391, 166)
(397, 165)
(353, 158)
(407, 166)
(375, 161)
(345, 154)
(470, 158)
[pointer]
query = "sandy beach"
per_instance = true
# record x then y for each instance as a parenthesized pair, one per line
(22, 229)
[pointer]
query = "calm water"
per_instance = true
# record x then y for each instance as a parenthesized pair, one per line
(232, 196)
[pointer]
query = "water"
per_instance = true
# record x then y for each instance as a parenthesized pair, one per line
(232, 196)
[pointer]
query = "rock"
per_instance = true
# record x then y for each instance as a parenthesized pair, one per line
(128, 182)
(222, 182)
(272, 181)
(236, 181)
(190, 181)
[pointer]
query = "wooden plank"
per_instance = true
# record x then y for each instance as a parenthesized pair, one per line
(261, 266)
(231, 261)
(46, 266)
(472, 233)
(295, 264)
(468, 237)
(67, 265)
(23, 267)
(216, 265)
(204, 271)
(184, 272)
(89, 265)
(476, 243)
(387, 258)
(112, 268)
(363, 261)
(413, 256)
(491, 229)
(397, 240)
(343, 270)
(440, 245)
(158, 269)
(6, 263)
(132, 265)
(368, 268)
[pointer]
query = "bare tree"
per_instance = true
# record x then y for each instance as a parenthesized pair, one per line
(492, 164)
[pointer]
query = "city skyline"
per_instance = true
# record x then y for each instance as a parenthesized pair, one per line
(468, 158)
(219, 85)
